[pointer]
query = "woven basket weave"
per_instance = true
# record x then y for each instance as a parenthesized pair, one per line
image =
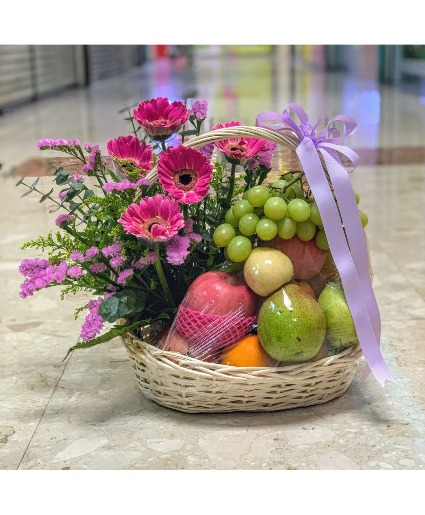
(193, 386)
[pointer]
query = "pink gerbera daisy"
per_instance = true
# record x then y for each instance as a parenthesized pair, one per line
(185, 174)
(238, 150)
(160, 118)
(128, 150)
(155, 218)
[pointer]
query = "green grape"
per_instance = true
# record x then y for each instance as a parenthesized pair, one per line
(240, 208)
(239, 249)
(321, 240)
(258, 195)
(266, 229)
(315, 215)
(286, 228)
(363, 217)
(306, 230)
(357, 196)
(245, 195)
(248, 223)
(229, 218)
(223, 234)
(259, 211)
(299, 210)
(275, 208)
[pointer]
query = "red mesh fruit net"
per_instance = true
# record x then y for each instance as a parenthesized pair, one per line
(209, 333)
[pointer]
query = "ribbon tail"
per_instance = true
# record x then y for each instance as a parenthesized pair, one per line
(341, 253)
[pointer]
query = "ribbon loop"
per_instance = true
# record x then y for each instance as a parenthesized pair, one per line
(335, 200)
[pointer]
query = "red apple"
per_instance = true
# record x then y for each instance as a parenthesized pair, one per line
(171, 340)
(220, 293)
(306, 256)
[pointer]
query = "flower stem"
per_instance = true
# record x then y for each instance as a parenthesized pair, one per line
(162, 279)
(163, 145)
(226, 204)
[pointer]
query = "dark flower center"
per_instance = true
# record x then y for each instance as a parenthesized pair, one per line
(150, 223)
(185, 179)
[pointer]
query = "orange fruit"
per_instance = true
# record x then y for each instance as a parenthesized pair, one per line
(247, 352)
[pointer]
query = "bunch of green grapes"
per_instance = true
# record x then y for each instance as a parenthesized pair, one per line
(266, 212)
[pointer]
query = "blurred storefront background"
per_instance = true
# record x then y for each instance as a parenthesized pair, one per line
(31, 72)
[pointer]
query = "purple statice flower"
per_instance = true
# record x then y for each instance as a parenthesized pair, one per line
(117, 261)
(57, 144)
(78, 177)
(62, 194)
(75, 271)
(31, 267)
(197, 238)
(124, 275)
(39, 276)
(64, 219)
(188, 225)
(93, 322)
(92, 252)
(145, 261)
(199, 109)
(92, 159)
(112, 250)
(207, 150)
(188, 230)
(76, 256)
(125, 184)
(178, 249)
(111, 288)
(97, 268)
(88, 147)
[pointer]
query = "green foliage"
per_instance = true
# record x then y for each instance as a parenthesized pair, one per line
(122, 305)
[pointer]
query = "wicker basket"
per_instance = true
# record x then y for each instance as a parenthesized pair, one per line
(192, 386)
(189, 385)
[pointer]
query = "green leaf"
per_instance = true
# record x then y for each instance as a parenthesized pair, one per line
(121, 305)
(61, 177)
(88, 194)
(187, 133)
(34, 184)
(73, 206)
(46, 196)
(28, 192)
(77, 186)
(113, 333)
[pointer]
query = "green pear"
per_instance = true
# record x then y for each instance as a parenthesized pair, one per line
(291, 325)
(340, 330)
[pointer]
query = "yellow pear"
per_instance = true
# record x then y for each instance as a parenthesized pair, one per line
(266, 270)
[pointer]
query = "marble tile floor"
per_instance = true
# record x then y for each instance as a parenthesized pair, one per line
(88, 413)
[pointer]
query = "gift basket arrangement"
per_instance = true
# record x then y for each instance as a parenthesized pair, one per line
(235, 283)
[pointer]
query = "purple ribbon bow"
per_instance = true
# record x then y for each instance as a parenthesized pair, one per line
(341, 221)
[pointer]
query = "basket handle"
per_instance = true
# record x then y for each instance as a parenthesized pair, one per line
(285, 137)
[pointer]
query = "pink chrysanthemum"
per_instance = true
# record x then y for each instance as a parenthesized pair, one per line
(155, 218)
(185, 174)
(128, 149)
(160, 118)
(238, 150)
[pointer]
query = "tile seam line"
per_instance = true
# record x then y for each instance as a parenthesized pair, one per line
(42, 415)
